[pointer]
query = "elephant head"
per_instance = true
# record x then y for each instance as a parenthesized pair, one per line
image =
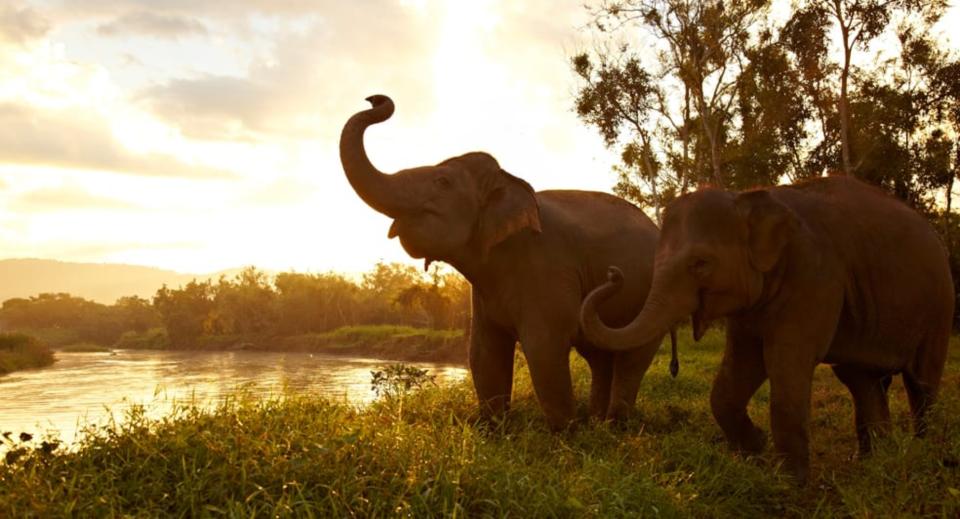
(463, 206)
(714, 253)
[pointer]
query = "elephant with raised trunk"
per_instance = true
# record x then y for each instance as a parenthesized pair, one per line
(827, 271)
(530, 257)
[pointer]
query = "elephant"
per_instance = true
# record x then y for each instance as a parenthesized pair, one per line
(530, 257)
(831, 270)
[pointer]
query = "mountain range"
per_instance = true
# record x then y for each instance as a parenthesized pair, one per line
(101, 282)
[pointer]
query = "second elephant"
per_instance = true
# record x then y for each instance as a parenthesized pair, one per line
(828, 271)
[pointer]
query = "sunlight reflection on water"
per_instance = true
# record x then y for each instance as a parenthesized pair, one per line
(87, 388)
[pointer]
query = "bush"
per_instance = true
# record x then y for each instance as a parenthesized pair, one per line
(19, 351)
(152, 339)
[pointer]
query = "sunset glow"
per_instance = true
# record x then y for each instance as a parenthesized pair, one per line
(198, 137)
(203, 137)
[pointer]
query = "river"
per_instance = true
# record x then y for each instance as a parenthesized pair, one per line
(90, 388)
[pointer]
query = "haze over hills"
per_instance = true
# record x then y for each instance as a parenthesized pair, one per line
(101, 282)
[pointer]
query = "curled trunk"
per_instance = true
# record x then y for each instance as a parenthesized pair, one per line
(656, 318)
(377, 189)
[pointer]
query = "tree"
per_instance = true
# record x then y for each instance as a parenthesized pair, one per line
(244, 305)
(859, 23)
(632, 98)
(184, 311)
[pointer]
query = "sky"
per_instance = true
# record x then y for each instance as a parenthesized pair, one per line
(200, 135)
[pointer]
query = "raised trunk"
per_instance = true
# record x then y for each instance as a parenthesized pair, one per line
(650, 324)
(374, 187)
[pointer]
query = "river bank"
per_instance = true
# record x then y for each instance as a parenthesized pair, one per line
(383, 342)
(19, 351)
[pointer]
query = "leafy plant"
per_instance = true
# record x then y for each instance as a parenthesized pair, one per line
(398, 380)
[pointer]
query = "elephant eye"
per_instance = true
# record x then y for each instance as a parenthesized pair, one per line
(443, 182)
(700, 267)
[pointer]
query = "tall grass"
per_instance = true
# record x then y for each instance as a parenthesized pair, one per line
(424, 454)
(19, 351)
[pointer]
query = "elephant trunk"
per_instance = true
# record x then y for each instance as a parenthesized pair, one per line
(656, 318)
(374, 187)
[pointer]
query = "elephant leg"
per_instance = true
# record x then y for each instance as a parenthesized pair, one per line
(871, 409)
(601, 379)
(628, 371)
(741, 373)
(922, 381)
(491, 366)
(790, 368)
(548, 357)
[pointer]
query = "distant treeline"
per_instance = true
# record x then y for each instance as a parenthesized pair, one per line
(250, 304)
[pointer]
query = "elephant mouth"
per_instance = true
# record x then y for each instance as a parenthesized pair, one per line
(411, 250)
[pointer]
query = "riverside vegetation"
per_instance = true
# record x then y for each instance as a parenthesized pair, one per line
(421, 452)
(19, 351)
(392, 312)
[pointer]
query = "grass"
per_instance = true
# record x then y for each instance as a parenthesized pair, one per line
(84, 347)
(387, 331)
(19, 351)
(422, 453)
(385, 341)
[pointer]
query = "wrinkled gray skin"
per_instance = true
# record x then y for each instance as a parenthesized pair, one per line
(530, 257)
(827, 271)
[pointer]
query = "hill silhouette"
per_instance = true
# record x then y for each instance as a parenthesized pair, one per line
(100, 282)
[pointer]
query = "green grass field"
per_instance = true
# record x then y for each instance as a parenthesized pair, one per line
(424, 455)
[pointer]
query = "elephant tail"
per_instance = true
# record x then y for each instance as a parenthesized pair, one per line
(674, 362)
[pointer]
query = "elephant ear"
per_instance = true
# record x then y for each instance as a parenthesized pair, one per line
(508, 206)
(770, 226)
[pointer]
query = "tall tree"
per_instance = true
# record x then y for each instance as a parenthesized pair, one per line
(859, 23)
(699, 50)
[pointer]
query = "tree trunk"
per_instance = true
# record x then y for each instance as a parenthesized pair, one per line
(844, 108)
(685, 183)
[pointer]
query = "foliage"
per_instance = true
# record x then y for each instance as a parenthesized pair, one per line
(398, 380)
(152, 339)
(302, 455)
(693, 93)
(739, 100)
(19, 351)
(65, 319)
(250, 305)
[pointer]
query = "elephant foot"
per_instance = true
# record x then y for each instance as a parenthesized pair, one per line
(800, 472)
(562, 426)
(619, 413)
(752, 442)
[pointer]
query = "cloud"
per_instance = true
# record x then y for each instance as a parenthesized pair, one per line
(77, 138)
(317, 65)
(60, 198)
(216, 107)
(158, 25)
(209, 9)
(18, 25)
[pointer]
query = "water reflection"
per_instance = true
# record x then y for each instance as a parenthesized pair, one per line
(87, 388)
